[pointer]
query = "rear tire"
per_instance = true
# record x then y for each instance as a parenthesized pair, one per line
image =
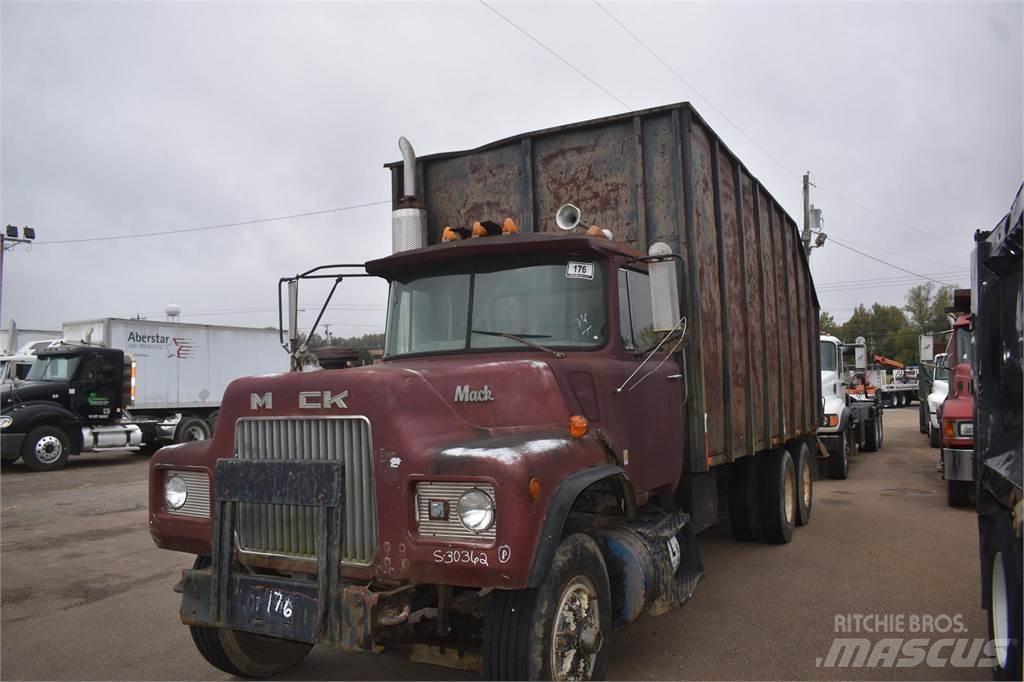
(244, 654)
(804, 466)
(778, 496)
(46, 448)
(958, 493)
(744, 515)
(530, 634)
(191, 429)
(922, 417)
(839, 459)
(1002, 562)
(875, 434)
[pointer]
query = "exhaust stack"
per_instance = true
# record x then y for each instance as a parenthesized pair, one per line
(409, 220)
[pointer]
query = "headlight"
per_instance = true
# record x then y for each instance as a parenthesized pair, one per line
(965, 429)
(5, 421)
(830, 420)
(476, 510)
(175, 492)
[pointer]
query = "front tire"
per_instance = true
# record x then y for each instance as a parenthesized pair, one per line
(46, 448)
(556, 631)
(958, 493)
(244, 654)
(922, 417)
(934, 437)
(839, 459)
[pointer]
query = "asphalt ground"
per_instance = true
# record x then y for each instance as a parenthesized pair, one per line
(85, 595)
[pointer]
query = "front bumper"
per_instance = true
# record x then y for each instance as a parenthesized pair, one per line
(320, 609)
(10, 445)
(958, 464)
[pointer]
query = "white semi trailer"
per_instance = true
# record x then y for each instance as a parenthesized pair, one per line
(181, 369)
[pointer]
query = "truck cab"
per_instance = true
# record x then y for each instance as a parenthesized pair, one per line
(72, 400)
(956, 416)
(936, 396)
(849, 422)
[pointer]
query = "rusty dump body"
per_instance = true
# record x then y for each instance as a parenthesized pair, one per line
(365, 468)
(662, 175)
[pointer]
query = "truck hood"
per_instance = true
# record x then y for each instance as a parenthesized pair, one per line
(421, 402)
(30, 390)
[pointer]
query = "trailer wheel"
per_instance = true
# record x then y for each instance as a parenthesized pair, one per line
(46, 448)
(744, 515)
(922, 417)
(191, 429)
(958, 493)
(873, 438)
(1002, 563)
(839, 459)
(934, 437)
(557, 631)
(778, 496)
(804, 481)
(244, 654)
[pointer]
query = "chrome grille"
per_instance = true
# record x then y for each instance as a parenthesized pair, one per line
(450, 493)
(290, 530)
(197, 500)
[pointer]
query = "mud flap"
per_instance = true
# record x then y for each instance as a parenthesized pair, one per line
(653, 565)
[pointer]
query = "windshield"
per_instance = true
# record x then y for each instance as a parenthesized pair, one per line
(551, 305)
(829, 361)
(942, 367)
(53, 368)
(964, 350)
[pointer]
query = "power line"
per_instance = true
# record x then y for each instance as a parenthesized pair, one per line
(692, 87)
(891, 220)
(557, 56)
(894, 278)
(220, 226)
(902, 255)
(883, 262)
(781, 165)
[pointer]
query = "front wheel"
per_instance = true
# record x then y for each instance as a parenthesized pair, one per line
(934, 437)
(557, 631)
(922, 417)
(46, 448)
(839, 459)
(244, 654)
(192, 429)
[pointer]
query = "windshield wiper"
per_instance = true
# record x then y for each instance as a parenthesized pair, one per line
(523, 339)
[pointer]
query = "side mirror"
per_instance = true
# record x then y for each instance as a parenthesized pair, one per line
(860, 357)
(664, 288)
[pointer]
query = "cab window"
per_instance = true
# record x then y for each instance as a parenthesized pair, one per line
(636, 324)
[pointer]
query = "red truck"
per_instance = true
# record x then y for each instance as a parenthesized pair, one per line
(956, 414)
(557, 415)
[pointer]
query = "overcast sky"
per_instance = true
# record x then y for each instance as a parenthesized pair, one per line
(120, 119)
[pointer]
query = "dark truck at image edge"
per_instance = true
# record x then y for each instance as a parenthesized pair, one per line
(528, 468)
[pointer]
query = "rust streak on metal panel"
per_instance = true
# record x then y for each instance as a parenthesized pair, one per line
(643, 241)
(528, 212)
(770, 312)
(734, 304)
(722, 254)
(753, 315)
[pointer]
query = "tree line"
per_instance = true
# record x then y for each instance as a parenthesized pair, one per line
(891, 330)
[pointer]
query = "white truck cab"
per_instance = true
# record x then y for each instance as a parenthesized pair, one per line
(848, 423)
(940, 388)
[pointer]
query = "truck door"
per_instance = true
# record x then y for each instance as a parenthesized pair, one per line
(97, 388)
(651, 402)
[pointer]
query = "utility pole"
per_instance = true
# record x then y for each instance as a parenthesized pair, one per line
(8, 240)
(806, 235)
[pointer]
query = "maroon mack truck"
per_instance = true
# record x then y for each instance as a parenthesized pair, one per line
(562, 407)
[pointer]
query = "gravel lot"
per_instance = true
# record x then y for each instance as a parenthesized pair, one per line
(86, 595)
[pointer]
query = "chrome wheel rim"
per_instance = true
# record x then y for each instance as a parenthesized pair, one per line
(193, 433)
(48, 449)
(790, 494)
(805, 489)
(1000, 612)
(576, 636)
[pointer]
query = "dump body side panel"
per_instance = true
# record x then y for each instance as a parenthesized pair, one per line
(663, 175)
